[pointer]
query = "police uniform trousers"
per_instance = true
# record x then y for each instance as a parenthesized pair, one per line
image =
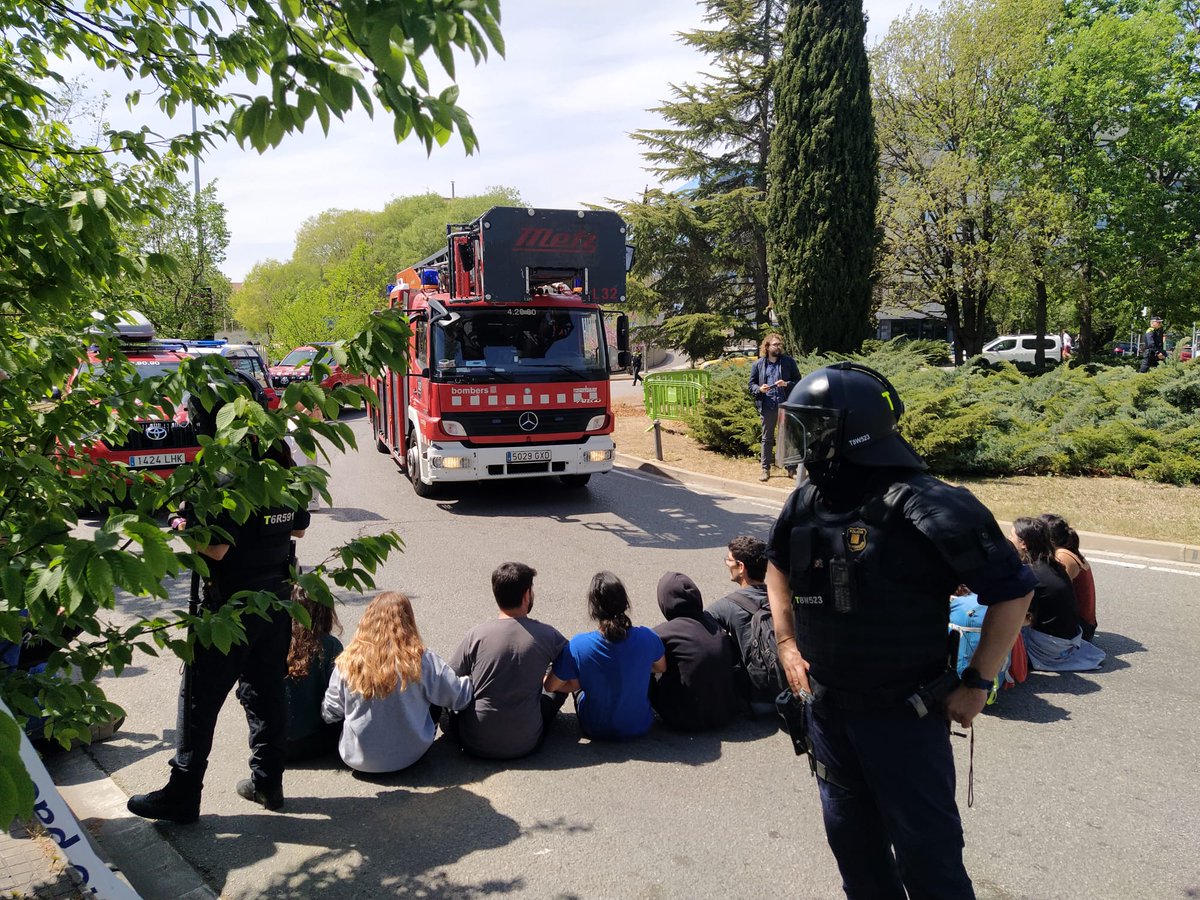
(890, 818)
(259, 669)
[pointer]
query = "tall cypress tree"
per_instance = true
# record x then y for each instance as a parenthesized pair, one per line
(821, 231)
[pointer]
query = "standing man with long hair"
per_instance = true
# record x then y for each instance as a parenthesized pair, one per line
(772, 378)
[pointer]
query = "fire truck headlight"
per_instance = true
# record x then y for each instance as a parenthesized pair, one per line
(596, 422)
(599, 455)
(455, 428)
(451, 462)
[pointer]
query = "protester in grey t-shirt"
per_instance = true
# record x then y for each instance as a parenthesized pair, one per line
(506, 659)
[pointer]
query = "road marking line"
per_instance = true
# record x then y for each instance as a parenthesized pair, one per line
(1173, 571)
(1193, 573)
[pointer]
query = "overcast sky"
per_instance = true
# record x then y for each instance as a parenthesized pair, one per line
(553, 118)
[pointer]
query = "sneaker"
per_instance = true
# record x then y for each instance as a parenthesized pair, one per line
(766, 473)
(165, 805)
(791, 471)
(270, 799)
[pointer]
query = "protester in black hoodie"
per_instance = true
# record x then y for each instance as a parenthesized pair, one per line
(696, 692)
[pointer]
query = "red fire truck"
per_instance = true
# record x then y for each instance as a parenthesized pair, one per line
(509, 361)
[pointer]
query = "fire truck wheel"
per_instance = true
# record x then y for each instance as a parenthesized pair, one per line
(380, 445)
(412, 464)
(575, 481)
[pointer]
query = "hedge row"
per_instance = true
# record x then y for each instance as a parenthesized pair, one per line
(983, 419)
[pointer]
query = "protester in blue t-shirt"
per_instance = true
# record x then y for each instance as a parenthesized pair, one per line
(609, 670)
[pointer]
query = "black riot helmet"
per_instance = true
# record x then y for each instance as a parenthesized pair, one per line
(844, 412)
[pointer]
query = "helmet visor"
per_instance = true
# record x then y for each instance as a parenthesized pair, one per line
(807, 434)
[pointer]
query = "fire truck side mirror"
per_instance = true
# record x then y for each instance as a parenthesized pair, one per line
(622, 333)
(629, 256)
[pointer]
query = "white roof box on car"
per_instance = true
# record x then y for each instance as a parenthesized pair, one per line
(131, 325)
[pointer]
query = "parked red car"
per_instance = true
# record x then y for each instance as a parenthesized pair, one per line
(297, 366)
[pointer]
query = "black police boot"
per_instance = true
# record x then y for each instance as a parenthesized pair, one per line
(171, 805)
(271, 799)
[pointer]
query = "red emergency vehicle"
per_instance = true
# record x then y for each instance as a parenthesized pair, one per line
(509, 361)
(298, 366)
(154, 442)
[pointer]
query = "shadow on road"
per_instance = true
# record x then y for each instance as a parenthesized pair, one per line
(666, 516)
(395, 843)
(1027, 702)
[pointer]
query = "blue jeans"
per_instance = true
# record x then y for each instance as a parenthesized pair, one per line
(891, 820)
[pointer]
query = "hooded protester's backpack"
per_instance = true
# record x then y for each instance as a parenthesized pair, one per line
(761, 658)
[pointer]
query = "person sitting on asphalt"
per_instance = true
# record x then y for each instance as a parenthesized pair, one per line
(383, 686)
(1078, 569)
(696, 692)
(609, 670)
(1054, 641)
(310, 665)
(506, 659)
(746, 562)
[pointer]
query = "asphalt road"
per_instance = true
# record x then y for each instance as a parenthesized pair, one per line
(1085, 785)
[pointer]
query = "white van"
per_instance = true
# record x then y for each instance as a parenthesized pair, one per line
(1022, 347)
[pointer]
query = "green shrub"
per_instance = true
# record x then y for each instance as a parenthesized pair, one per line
(983, 419)
(727, 421)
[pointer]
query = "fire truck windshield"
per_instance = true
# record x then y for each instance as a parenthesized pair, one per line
(520, 344)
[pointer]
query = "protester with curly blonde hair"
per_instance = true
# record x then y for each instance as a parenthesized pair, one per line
(383, 686)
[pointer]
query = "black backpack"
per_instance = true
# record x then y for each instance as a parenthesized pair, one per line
(761, 658)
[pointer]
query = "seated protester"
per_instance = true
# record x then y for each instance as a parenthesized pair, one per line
(696, 692)
(609, 670)
(1079, 570)
(746, 561)
(383, 686)
(506, 659)
(310, 665)
(1054, 641)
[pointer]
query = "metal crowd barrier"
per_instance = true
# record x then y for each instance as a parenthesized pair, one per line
(675, 394)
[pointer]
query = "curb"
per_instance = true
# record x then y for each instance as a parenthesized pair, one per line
(134, 847)
(1089, 540)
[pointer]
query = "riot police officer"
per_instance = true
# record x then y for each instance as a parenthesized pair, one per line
(862, 561)
(256, 556)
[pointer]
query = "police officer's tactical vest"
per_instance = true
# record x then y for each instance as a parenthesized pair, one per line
(260, 557)
(871, 587)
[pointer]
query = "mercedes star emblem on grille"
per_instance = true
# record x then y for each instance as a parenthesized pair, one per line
(528, 421)
(155, 431)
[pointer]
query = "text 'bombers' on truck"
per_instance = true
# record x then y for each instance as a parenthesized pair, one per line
(509, 358)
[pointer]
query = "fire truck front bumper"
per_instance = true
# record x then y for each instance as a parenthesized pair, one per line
(448, 462)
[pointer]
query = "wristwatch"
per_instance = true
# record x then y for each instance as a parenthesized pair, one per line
(972, 679)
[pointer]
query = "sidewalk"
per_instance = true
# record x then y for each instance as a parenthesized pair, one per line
(31, 865)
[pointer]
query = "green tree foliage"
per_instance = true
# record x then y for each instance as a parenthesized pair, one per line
(1111, 131)
(822, 174)
(946, 84)
(69, 206)
(699, 335)
(342, 262)
(702, 248)
(188, 297)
